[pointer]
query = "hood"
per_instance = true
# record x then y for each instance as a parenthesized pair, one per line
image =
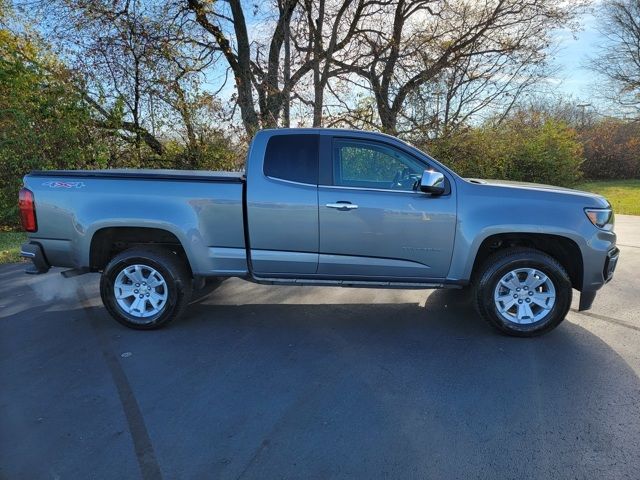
(540, 188)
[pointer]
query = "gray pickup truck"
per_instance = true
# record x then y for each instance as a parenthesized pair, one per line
(322, 207)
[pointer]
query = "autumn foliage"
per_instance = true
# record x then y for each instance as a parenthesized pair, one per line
(611, 150)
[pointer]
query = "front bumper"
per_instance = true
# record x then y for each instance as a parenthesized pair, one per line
(34, 252)
(610, 262)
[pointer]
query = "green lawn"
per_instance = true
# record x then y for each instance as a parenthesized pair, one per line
(624, 195)
(10, 246)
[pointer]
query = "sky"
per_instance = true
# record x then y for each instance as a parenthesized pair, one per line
(574, 50)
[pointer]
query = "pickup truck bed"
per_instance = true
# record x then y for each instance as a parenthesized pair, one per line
(173, 206)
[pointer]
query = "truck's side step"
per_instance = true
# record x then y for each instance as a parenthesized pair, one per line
(351, 283)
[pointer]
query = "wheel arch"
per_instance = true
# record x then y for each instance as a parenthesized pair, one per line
(563, 249)
(108, 241)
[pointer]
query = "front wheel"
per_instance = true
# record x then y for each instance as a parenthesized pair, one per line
(145, 289)
(522, 292)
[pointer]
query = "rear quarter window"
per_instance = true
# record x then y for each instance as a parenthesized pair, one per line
(293, 158)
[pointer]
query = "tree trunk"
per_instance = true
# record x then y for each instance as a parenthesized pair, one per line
(286, 114)
(388, 120)
(240, 64)
(243, 70)
(274, 97)
(319, 81)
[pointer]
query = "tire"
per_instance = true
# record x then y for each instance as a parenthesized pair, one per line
(503, 292)
(164, 298)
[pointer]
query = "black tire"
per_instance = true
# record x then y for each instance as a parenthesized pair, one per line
(172, 269)
(500, 264)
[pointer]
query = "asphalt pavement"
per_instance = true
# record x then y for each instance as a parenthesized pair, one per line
(263, 382)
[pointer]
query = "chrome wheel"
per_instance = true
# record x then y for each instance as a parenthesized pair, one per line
(524, 296)
(140, 291)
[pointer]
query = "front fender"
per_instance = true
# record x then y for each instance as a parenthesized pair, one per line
(468, 244)
(489, 210)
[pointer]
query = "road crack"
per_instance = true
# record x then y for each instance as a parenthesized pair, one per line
(149, 467)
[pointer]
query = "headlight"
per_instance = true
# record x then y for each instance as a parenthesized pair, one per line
(600, 217)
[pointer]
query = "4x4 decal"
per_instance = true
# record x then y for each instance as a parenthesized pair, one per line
(57, 184)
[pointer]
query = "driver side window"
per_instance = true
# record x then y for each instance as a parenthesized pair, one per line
(370, 165)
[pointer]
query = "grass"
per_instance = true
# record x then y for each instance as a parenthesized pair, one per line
(624, 195)
(10, 246)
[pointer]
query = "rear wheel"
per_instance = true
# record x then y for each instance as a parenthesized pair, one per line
(522, 292)
(145, 288)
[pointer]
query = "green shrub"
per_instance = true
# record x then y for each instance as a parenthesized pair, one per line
(525, 147)
(42, 126)
(214, 151)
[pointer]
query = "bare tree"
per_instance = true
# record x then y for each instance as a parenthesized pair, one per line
(618, 59)
(311, 33)
(328, 32)
(132, 61)
(426, 38)
(106, 48)
(147, 66)
(474, 88)
(249, 75)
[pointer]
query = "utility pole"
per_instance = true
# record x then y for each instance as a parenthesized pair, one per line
(583, 108)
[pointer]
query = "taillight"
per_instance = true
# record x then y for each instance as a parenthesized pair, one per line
(27, 210)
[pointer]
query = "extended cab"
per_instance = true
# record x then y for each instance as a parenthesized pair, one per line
(322, 207)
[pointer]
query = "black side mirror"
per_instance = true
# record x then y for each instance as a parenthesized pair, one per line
(432, 182)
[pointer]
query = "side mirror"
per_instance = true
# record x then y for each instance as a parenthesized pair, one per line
(432, 182)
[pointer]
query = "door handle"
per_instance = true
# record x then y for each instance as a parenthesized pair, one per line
(342, 206)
